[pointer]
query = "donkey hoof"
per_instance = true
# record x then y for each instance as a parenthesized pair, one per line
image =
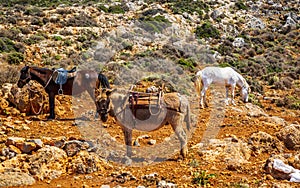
(127, 161)
(49, 118)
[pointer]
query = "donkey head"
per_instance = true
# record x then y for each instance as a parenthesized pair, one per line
(24, 77)
(102, 103)
(245, 92)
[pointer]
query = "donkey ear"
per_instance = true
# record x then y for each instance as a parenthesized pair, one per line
(109, 91)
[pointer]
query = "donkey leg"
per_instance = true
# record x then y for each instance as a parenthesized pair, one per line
(227, 96)
(203, 95)
(177, 127)
(128, 140)
(92, 94)
(52, 106)
(232, 95)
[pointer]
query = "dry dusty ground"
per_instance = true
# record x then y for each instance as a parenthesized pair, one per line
(177, 171)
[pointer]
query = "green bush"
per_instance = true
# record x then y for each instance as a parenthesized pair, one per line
(187, 63)
(291, 102)
(202, 178)
(117, 9)
(240, 5)
(34, 39)
(103, 8)
(45, 3)
(6, 45)
(33, 11)
(57, 38)
(154, 24)
(68, 42)
(15, 58)
(127, 45)
(189, 6)
(82, 20)
(207, 30)
(254, 100)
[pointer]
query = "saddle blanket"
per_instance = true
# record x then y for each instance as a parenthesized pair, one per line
(61, 75)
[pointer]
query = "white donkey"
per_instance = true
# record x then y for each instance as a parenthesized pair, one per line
(222, 76)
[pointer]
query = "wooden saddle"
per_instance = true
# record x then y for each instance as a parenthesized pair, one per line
(142, 100)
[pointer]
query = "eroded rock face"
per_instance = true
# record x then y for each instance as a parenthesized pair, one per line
(263, 142)
(32, 99)
(290, 136)
(231, 151)
(24, 99)
(48, 163)
(51, 158)
(85, 163)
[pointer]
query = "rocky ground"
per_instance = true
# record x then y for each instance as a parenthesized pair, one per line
(247, 145)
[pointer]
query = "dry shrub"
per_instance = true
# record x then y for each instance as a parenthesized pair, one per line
(284, 83)
(291, 102)
(9, 74)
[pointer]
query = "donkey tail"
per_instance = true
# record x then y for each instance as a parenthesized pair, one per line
(187, 117)
(198, 82)
(103, 81)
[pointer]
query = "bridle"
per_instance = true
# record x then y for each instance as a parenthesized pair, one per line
(103, 101)
(27, 79)
(106, 109)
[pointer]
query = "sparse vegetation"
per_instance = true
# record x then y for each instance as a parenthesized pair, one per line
(254, 100)
(63, 33)
(202, 178)
(82, 20)
(154, 24)
(9, 74)
(291, 102)
(207, 30)
(116, 9)
(15, 58)
(190, 6)
(57, 38)
(6, 45)
(240, 5)
(187, 63)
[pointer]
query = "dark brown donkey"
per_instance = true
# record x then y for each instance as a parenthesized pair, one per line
(85, 80)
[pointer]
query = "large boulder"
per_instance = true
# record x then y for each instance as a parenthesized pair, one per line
(230, 151)
(262, 142)
(290, 136)
(31, 100)
(48, 163)
(8, 179)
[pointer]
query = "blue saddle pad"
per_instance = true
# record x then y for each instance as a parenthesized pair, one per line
(62, 75)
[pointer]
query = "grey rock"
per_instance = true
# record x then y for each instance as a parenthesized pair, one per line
(254, 110)
(152, 142)
(164, 184)
(72, 147)
(256, 23)
(38, 142)
(238, 42)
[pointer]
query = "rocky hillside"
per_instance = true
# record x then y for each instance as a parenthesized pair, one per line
(152, 40)
(260, 39)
